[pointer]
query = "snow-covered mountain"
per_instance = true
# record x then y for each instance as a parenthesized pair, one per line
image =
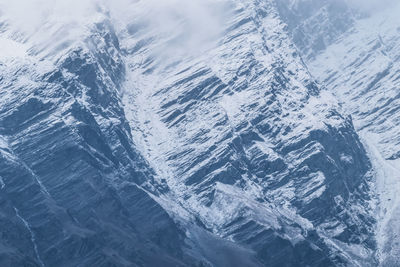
(210, 133)
(362, 69)
(315, 24)
(244, 138)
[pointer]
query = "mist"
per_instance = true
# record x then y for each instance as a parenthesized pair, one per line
(205, 17)
(183, 26)
(371, 6)
(187, 26)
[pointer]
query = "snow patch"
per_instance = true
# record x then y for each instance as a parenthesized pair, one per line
(387, 177)
(346, 158)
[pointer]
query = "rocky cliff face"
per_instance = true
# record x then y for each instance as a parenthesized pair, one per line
(315, 24)
(121, 148)
(242, 135)
(69, 169)
(362, 69)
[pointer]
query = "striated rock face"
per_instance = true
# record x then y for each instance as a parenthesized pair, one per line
(315, 24)
(362, 69)
(249, 145)
(69, 169)
(122, 147)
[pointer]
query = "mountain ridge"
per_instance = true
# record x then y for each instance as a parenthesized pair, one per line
(117, 152)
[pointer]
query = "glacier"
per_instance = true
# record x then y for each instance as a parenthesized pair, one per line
(203, 133)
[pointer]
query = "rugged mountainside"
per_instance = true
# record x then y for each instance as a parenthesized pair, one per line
(315, 24)
(362, 69)
(242, 134)
(69, 169)
(125, 144)
(360, 66)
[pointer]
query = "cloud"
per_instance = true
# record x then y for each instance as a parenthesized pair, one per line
(185, 25)
(46, 27)
(31, 15)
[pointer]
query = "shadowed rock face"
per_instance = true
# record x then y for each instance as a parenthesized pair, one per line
(71, 174)
(315, 24)
(114, 156)
(247, 142)
(362, 68)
